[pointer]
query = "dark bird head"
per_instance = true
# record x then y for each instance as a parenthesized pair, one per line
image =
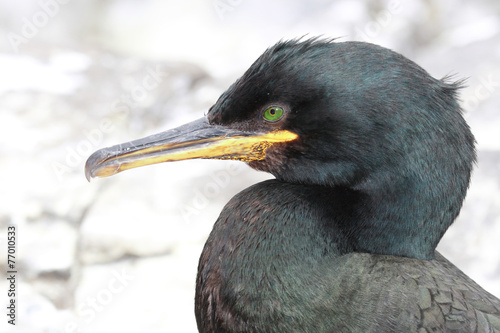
(352, 116)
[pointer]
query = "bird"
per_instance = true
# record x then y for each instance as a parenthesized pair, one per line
(371, 159)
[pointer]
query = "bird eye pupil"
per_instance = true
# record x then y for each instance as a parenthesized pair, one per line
(272, 112)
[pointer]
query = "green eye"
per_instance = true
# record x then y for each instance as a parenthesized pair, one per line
(273, 113)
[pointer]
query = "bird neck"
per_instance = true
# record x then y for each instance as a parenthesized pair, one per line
(400, 206)
(401, 215)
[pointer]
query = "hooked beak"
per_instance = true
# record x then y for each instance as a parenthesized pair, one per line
(197, 139)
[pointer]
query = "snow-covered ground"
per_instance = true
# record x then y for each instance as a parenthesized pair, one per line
(120, 254)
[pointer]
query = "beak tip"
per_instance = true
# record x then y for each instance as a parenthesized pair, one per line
(88, 172)
(93, 163)
(87, 175)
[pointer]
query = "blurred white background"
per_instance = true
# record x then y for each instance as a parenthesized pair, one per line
(120, 254)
